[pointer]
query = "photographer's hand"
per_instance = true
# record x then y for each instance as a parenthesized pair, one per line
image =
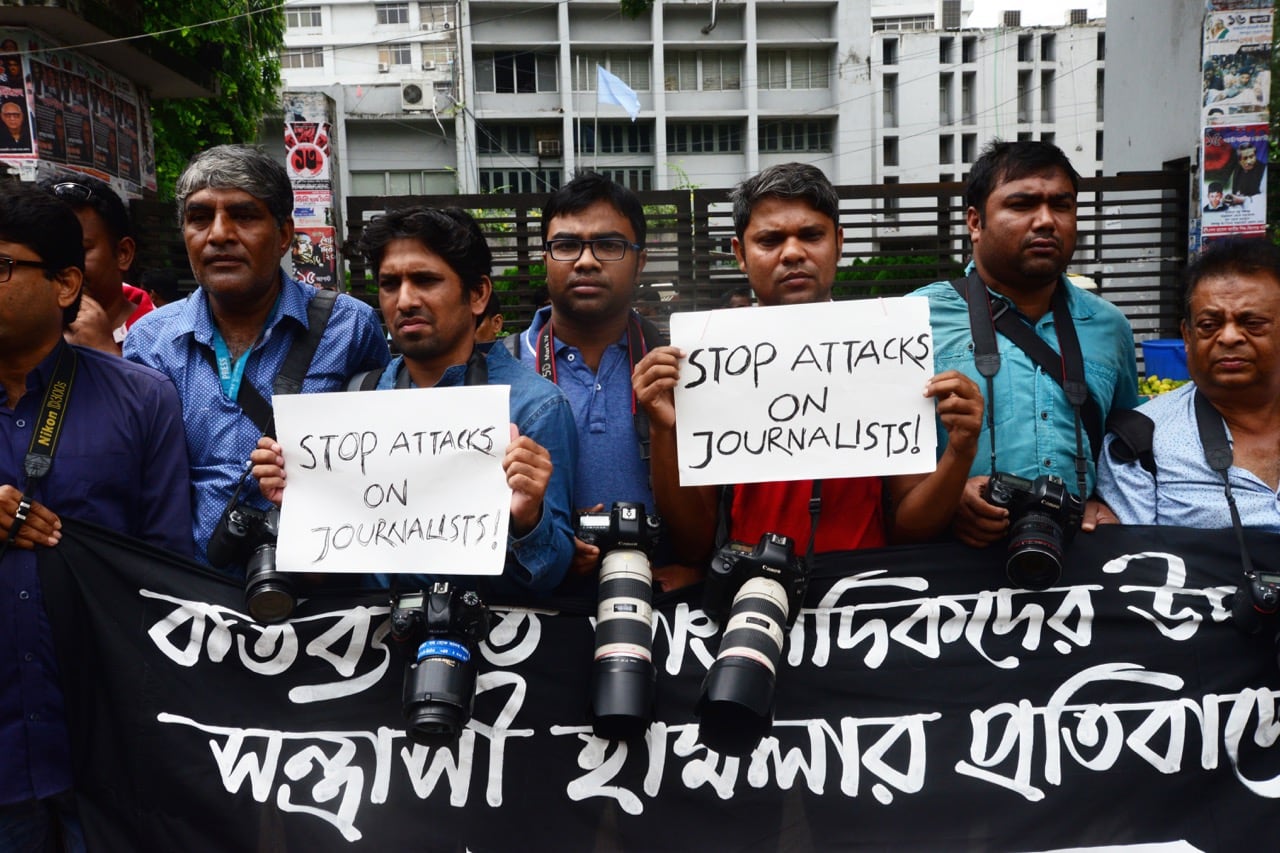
(654, 382)
(42, 527)
(1095, 513)
(585, 557)
(528, 468)
(268, 469)
(978, 522)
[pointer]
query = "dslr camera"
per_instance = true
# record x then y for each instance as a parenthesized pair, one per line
(1043, 517)
(247, 534)
(1257, 597)
(622, 675)
(755, 594)
(447, 624)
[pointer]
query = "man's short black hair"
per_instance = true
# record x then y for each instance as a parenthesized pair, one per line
(1230, 256)
(734, 292)
(83, 192)
(164, 282)
(586, 189)
(32, 217)
(450, 232)
(1011, 161)
(785, 180)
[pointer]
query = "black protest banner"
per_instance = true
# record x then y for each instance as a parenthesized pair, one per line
(922, 704)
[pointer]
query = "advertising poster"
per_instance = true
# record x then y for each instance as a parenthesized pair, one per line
(16, 138)
(105, 151)
(1234, 187)
(314, 257)
(51, 126)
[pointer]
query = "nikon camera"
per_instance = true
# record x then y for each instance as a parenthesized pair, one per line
(1043, 517)
(446, 625)
(755, 594)
(623, 675)
(248, 534)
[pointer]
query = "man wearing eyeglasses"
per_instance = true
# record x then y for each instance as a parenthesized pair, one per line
(588, 340)
(83, 436)
(109, 249)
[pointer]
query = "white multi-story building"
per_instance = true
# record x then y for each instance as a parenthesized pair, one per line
(494, 95)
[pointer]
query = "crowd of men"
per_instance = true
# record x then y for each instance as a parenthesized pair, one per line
(150, 420)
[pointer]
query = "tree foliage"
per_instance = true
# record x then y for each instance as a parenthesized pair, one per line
(239, 42)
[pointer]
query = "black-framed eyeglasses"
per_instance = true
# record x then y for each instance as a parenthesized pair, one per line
(72, 191)
(7, 264)
(603, 248)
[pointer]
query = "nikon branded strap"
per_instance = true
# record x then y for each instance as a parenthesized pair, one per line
(38, 462)
(1066, 369)
(294, 369)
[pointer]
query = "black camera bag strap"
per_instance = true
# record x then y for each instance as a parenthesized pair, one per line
(38, 462)
(294, 369)
(1133, 436)
(1065, 368)
(1218, 455)
(815, 514)
(477, 374)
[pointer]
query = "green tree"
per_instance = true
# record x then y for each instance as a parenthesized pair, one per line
(239, 41)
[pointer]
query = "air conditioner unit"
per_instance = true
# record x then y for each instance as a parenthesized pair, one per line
(548, 147)
(426, 27)
(383, 67)
(416, 96)
(429, 65)
(446, 26)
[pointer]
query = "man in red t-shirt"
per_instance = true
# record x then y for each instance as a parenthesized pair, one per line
(788, 244)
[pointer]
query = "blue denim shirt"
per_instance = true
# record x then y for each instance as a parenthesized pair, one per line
(1189, 493)
(120, 462)
(537, 561)
(219, 435)
(1035, 425)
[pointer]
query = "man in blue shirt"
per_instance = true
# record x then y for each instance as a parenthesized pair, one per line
(236, 209)
(432, 267)
(1021, 217)
(118, 460)
(1232, 331)
(589, 339)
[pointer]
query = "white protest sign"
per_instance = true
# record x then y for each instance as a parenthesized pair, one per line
(804, 392)
(395, 481)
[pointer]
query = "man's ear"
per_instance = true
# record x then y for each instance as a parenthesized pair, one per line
(126, 251)
(286, 236)
(736, 244)
(69, 281)
(480, 296)
(973, 221)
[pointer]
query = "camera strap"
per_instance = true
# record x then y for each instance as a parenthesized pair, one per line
(815, 514)
(477, 372)
(1217, 453)
(642, 336)
(38, 462)
(294, 369)
(1065, 368)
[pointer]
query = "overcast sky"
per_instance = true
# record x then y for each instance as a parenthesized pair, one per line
(986, 13)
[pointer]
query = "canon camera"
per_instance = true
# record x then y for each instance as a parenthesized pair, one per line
(1043, 516)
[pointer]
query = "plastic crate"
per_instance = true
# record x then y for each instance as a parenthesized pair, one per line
(1166, 358)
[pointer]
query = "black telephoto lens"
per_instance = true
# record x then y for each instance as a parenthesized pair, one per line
(268, 594)
(736, 707)
(439, 688)
(1035, 552)
(623, 675)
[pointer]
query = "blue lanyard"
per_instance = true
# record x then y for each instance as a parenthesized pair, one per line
(231, 373)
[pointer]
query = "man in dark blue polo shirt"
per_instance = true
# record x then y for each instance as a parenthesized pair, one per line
(110, 434)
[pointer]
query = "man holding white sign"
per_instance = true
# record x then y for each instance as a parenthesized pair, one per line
(432, 268)
(788, 244)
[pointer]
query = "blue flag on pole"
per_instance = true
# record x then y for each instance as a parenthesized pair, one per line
(611, 90)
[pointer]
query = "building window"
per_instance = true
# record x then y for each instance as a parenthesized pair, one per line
(394, 55)
(891, 202)
(705, 138)
(890, 150)
(403, 183)
(946, 50)
(702, 71)
(890, 51)
(1048, 136)
(946, 86)
(302, 57)
(969, 50)
(437, 16)
(302, 18)
(1024, 96)
(635, 178)
(969, 97)
(890, 100)
(1097, 146)
(1012, 18)
(1046, 96)
(1024, 47)
(968, 147)
(516, 72)
(795, 136)
(946, 149)
(519, 180)
(1099, 91)
(1024, 136)
(902, 23)
(504, 138)
(794, 69)
(951, 14)
(1102, 47)
(436, 57)
(392, 13)
(631, 67)
(1048, 47)
(614, 138)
